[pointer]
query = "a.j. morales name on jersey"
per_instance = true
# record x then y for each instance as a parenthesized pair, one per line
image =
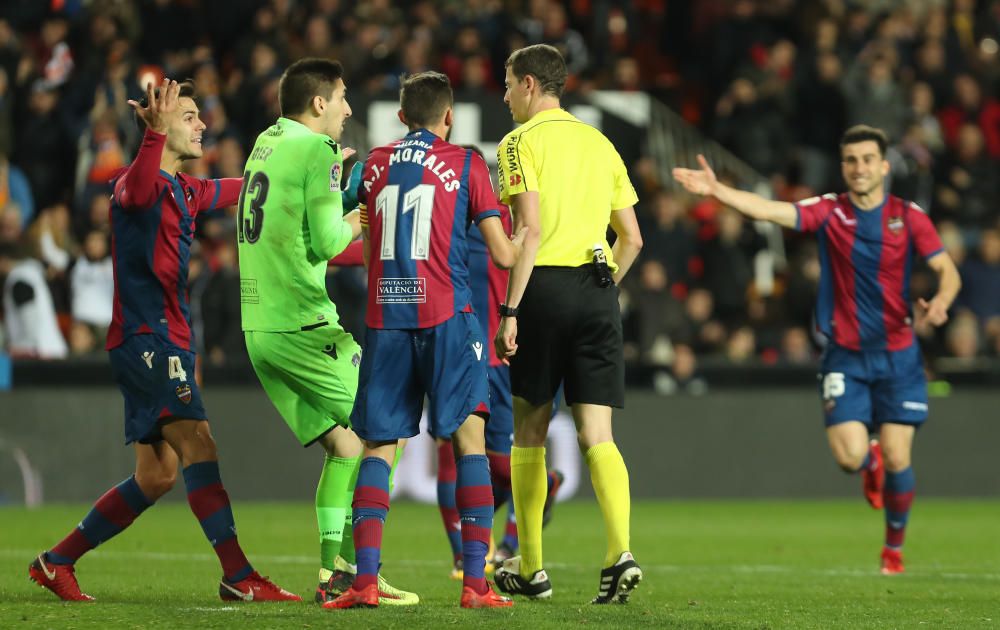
(417, 152)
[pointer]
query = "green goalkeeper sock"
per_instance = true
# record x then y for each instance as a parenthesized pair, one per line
(333, 502)
(347, 546)
(395, 465)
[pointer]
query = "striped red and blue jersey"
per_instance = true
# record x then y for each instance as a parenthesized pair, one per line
(418, 199)
(865, 262)
(152, 228)
(488, 282)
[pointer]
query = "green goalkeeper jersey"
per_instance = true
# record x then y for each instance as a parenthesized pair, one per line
(290, 224)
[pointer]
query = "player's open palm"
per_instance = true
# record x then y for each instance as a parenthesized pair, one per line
(506, 339)
(698, 181)
(161, 104)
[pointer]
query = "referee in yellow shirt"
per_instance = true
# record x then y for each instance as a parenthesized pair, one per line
(561, 324)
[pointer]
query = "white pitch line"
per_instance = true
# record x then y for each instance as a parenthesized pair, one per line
(755, 569)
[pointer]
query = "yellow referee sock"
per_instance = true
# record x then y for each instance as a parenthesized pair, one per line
(610, 479)
(530, 486)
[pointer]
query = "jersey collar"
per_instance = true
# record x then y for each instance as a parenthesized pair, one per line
(551, 114)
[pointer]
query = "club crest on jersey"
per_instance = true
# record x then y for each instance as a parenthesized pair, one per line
(515, 179)
(895, 224)
(184, 393)
(356, 360)
(335, 177)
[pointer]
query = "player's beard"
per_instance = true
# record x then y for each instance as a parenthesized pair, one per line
(869, 189)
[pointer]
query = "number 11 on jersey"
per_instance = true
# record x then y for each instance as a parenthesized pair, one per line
(419, 200)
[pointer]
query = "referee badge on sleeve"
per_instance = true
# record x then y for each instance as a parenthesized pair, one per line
(335, 177)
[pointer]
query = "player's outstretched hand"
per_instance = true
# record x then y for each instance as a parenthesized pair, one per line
(701, 181)
(160, 105)
(934, 312)
(349, 194)
(506, 339)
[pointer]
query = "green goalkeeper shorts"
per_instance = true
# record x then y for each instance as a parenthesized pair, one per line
(310, 376)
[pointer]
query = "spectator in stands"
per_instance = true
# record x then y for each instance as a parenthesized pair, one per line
(709, 334)
(968, 187)
(220, 299)
(874, 97)
(92, 287)
(728, 259)
(30, 323)
(981, 279)
(661, 317)
(962, 338)
(969, 106)
(44, 148)
(15, 190)
(820, 116)
(668, 236)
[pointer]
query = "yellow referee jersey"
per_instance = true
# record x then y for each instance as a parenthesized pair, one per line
(579, 178)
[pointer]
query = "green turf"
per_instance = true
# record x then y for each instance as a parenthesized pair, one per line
(711, 564)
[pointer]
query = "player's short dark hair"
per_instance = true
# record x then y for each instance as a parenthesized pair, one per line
(187, 91)
(305, 79)
(863, 133)
(543, 62)
(424, 98)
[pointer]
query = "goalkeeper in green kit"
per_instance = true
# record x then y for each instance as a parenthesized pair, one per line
(290, 224)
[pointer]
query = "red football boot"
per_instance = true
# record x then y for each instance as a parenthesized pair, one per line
(873, 476)
(58, 578)
(892, 561)
(351, 598)
(255, 588)
(489, 599)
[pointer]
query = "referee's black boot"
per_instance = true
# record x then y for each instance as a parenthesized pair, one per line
(509, 580)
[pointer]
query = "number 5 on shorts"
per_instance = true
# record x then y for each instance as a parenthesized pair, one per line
(833, 385)
(175, 369)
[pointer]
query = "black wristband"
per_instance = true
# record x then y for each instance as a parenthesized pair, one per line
(507, 311)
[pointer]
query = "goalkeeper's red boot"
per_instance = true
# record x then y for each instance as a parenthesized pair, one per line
(873, 476)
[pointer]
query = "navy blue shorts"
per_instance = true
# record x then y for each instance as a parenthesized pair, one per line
(446, 363)
(157, 382)
(873, 387)
(500, 428)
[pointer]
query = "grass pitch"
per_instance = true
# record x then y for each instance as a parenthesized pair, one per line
(711, 564)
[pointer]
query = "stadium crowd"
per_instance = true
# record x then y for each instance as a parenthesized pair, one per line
(776, 82)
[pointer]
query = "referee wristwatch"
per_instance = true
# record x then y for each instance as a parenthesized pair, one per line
(508, 311)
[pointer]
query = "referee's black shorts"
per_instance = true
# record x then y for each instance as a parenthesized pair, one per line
(569, 330)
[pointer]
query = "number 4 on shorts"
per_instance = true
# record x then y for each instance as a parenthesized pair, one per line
(175, 369)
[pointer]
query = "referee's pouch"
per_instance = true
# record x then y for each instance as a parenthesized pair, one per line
(602, 273)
